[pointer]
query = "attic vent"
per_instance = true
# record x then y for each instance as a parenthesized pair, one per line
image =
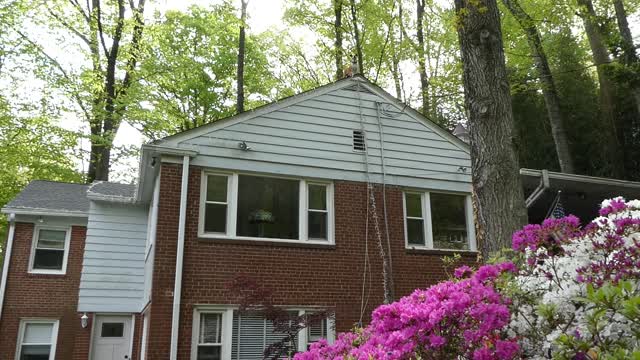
(359, 141)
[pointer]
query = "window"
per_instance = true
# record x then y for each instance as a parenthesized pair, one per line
(221, 333)
(438, 221)
(359, 141)
(112, 330)
(210, 337)
(263, 207)
(49, 252)
(37, 340)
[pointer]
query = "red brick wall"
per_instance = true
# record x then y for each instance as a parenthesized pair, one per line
(328, 276)
(46, 296)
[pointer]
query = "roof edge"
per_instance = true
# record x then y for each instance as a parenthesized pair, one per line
(43, 212)
(581, 178)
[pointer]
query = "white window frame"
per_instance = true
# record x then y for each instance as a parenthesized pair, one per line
(54, 335)
(232, 209)
(227, 328)
(425, 198)
(34, 244)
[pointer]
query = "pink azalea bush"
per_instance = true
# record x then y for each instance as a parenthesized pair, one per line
(573, 294)
(465, 317)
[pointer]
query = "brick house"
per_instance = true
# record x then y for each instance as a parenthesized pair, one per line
(279, 193)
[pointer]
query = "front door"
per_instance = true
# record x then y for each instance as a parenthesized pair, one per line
(111, 337)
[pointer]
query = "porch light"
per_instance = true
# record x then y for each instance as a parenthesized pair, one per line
(84, 320)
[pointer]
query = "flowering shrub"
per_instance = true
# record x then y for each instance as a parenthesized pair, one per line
(570, 293)
(466, 317)
(567, 271)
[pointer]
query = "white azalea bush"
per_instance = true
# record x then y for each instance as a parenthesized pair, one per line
(577, 295)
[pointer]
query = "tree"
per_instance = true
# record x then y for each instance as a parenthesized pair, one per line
(337, 28)
(241, 50)
(357, 36)
(601, 60)
(551, 98)
(497, 189)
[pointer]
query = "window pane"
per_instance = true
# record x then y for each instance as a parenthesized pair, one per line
(216, 188)
(415, 232)
(52, 234)
(210, 328)
(37, 333)
(112, 330)
(317, 225)
(35, 352)
(318, 197)
(215, 218)
(48, 259)
(268, 207)
(209, 352)
(449, 221)
(414, 205)
(317, 331)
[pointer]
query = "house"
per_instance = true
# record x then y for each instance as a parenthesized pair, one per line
(279, 193)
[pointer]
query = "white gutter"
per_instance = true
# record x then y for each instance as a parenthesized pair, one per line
(7, 259)
(177, 288)
(43, 212)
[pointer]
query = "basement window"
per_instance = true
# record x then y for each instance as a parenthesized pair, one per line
(359, 141)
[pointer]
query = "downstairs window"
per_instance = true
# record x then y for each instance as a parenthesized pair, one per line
(37, 339)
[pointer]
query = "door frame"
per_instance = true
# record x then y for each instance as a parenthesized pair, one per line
(93, 331)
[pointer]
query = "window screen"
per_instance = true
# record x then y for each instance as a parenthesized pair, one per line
(448, 218)
(49, 250)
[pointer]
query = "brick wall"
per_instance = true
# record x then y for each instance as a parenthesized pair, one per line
(44, 296)
(299, 275)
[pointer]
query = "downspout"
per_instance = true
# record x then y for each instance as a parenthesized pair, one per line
(7, 259)
(177, 289)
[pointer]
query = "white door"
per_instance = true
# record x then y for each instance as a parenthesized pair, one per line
(111, 338)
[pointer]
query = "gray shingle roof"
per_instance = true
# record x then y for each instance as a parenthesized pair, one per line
(110, 189)
(52, 196)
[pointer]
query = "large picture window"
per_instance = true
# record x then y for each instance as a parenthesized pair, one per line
(264, 207)
(49, 251)
(37, 340)
(438, 221)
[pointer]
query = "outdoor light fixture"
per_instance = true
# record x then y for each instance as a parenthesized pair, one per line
(84, 320)
(40, 219)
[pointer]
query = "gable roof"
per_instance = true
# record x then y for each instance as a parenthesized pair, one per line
(41, 196)
(355, 81)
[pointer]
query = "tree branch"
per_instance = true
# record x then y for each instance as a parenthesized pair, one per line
(79, 8)
(68, 26)
(101, 30)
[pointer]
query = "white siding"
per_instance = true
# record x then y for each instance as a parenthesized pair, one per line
(112, 277)
(313, 137)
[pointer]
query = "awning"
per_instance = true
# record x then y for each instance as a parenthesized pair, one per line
(579, 194)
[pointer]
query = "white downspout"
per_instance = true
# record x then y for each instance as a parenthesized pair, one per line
(177, 289)
(7, 259)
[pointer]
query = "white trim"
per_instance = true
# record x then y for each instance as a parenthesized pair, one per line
(177, 289)
(7, 260)
(425, 198)
(232, 209)
(145, 334)
(54, 334)
(44, 212)
(34, 243)
(133, 330)
(227, 328)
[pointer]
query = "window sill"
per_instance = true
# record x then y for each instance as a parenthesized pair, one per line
(45, 272)
(443, 252)
(265, 241)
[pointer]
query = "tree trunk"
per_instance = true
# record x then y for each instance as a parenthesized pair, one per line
(497, 188)
(337, 26)
(356, 35)
(630, 58)
(422, 66)
(551, 98)
(601, 59)
(241, 48)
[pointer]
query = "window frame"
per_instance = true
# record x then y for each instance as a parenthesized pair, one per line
(34, 245)
(232, 209)
(425, 198)
(54, 335)
(227, 327)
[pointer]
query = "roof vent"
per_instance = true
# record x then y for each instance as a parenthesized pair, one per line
(358, 140)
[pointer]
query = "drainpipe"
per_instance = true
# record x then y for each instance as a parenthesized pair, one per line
(177, 289)
(7, 259)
